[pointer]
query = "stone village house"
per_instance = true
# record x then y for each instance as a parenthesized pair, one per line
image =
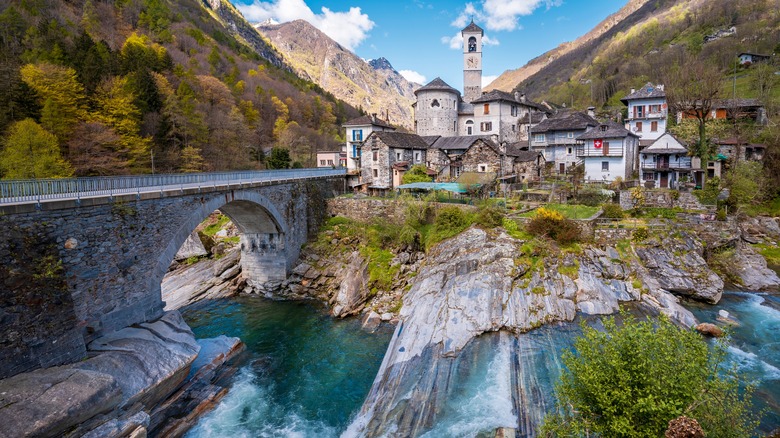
(386, 156)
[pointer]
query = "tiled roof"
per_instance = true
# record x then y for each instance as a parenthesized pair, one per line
(607, 130)
(436, 84)
(666, 144)
(646, 92)
(565, 121)
(430, 139)
(536, 117)
(400, 140)
(515, 150)
(498, 95)
(368, 120)
(736, 103)
(473, 28)
(461, 142)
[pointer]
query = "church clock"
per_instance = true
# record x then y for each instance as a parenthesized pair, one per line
(472, 62)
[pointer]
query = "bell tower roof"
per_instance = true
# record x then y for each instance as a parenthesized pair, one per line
(473, 28)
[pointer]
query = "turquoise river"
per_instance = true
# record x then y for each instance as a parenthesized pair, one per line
(305, 374)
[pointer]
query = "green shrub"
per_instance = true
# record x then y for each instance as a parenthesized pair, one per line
(640, 234)
(630, 380)
(550, 223)
(450, 221)
(612, 211)
(721, 214)
(490, 216)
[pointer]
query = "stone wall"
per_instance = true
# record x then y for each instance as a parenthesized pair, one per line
(73, 274)
(663, 198)
(366, 210)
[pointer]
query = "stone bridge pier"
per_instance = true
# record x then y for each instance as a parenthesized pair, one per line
(74, 270)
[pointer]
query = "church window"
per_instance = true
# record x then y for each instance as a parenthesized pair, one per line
(435, 103)
(472, 44)
(486, 108)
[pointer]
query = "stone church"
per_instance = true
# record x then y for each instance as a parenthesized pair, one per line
(440, 110)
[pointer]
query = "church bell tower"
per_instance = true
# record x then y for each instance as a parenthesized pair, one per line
(472, 61)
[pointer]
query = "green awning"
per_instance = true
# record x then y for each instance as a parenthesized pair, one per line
(450, 187)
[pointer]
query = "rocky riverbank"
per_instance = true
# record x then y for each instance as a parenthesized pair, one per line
(121, 388)
(486, 281)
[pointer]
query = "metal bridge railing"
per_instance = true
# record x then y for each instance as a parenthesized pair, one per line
(36, 190)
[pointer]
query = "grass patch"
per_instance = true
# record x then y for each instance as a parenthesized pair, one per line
(214, 227)
(569, 211)
(770, 253)
(656, 212)
(572, 271)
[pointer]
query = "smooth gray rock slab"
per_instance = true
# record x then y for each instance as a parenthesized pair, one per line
(47, 402)
(148, 362)
(192, 247)
(353, 290)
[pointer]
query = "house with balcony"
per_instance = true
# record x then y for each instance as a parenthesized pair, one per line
(357, 130)
(608, 151)
(556, 138)
(647, 111)
(665, 163)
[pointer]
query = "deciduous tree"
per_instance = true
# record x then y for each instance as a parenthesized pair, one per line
(31, 152)
(61, 94)
(692, 86)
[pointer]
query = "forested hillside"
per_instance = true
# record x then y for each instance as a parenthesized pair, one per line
(91, 87)
(651, 41)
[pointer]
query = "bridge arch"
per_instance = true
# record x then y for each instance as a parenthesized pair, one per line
(262, 232)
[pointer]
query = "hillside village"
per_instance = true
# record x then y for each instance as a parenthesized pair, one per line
(496, 136)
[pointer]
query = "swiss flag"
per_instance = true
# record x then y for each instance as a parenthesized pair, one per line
(597, 143)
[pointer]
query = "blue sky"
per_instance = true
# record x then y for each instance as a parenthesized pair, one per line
(416, 35)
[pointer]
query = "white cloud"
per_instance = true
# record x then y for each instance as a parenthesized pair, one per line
(455, 42)
(348, 28)
(486, 80)
(413, 76)
(501, 14)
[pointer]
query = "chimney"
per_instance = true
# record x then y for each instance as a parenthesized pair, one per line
(592, 111)
(660, 87)
(373, 117)
(517, 96)
(633, 90)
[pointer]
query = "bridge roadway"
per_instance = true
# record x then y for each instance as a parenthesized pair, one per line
(84, 257)
(21, 196)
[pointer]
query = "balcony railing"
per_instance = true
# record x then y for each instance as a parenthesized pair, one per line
(611, 151)
(666, 166)
(556, 141)
(36, 190)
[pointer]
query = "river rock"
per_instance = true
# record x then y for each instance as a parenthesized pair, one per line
(192, 247)
(371, 322)
(709, 329)
(48, 402)
(206, 279)
(148, 361)
(679, 267)
(353, 291)
(751, 269)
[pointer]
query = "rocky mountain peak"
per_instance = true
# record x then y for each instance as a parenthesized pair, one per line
(381, 64)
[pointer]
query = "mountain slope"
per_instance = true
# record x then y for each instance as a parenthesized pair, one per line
(375, 86)
(509, 79)
(110, 88)
(650, 40)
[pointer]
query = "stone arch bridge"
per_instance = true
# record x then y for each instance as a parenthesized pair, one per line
(80, 258)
